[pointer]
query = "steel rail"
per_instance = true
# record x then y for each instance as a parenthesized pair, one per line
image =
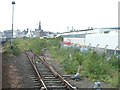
(55, 73)
(36, 70)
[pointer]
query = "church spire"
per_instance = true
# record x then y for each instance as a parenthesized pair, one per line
(39, 25)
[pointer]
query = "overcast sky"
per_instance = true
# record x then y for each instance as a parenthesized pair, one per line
(57, 15)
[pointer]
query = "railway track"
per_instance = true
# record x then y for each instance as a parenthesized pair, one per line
(47, 77)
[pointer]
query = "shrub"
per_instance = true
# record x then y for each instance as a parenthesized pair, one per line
(15, 50)
(70, 66)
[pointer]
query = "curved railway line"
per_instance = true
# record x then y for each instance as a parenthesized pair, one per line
(47, 78)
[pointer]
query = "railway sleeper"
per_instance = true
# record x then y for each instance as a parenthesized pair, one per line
(32, 77)
(40, 64)
(54, 84)
(48, 75)
(48, 79)
(53, 81)
(35, 81)
(37, 84)
(56, 87)
(42, 69)
(45, 73)
(37, 89)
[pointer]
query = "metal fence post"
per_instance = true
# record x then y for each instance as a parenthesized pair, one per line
(105, 51)
(115, 50)
(96, 47)
(89, 46)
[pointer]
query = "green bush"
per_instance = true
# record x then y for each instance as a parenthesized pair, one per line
(79, 57)
(15, 50)
(36, 45)
(70, 65)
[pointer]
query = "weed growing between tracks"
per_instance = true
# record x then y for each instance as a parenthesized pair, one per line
(95, 67)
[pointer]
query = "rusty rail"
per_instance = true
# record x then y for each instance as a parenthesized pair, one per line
(56, 74)
(66, 83)
(36, 70)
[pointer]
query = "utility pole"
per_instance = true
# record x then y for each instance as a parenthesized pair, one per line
(11, 42)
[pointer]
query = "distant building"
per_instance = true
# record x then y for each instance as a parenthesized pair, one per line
(0, 33)
(17, 34)
(8, 34)
(25, 32)
(39, 32)
(49, 34)
(2, 37)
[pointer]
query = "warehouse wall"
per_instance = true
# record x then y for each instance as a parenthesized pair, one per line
(110, 39)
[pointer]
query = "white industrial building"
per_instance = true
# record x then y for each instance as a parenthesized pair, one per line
(97, 37)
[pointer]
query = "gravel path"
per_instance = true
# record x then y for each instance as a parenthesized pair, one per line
(11, 77)
(16, 73)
